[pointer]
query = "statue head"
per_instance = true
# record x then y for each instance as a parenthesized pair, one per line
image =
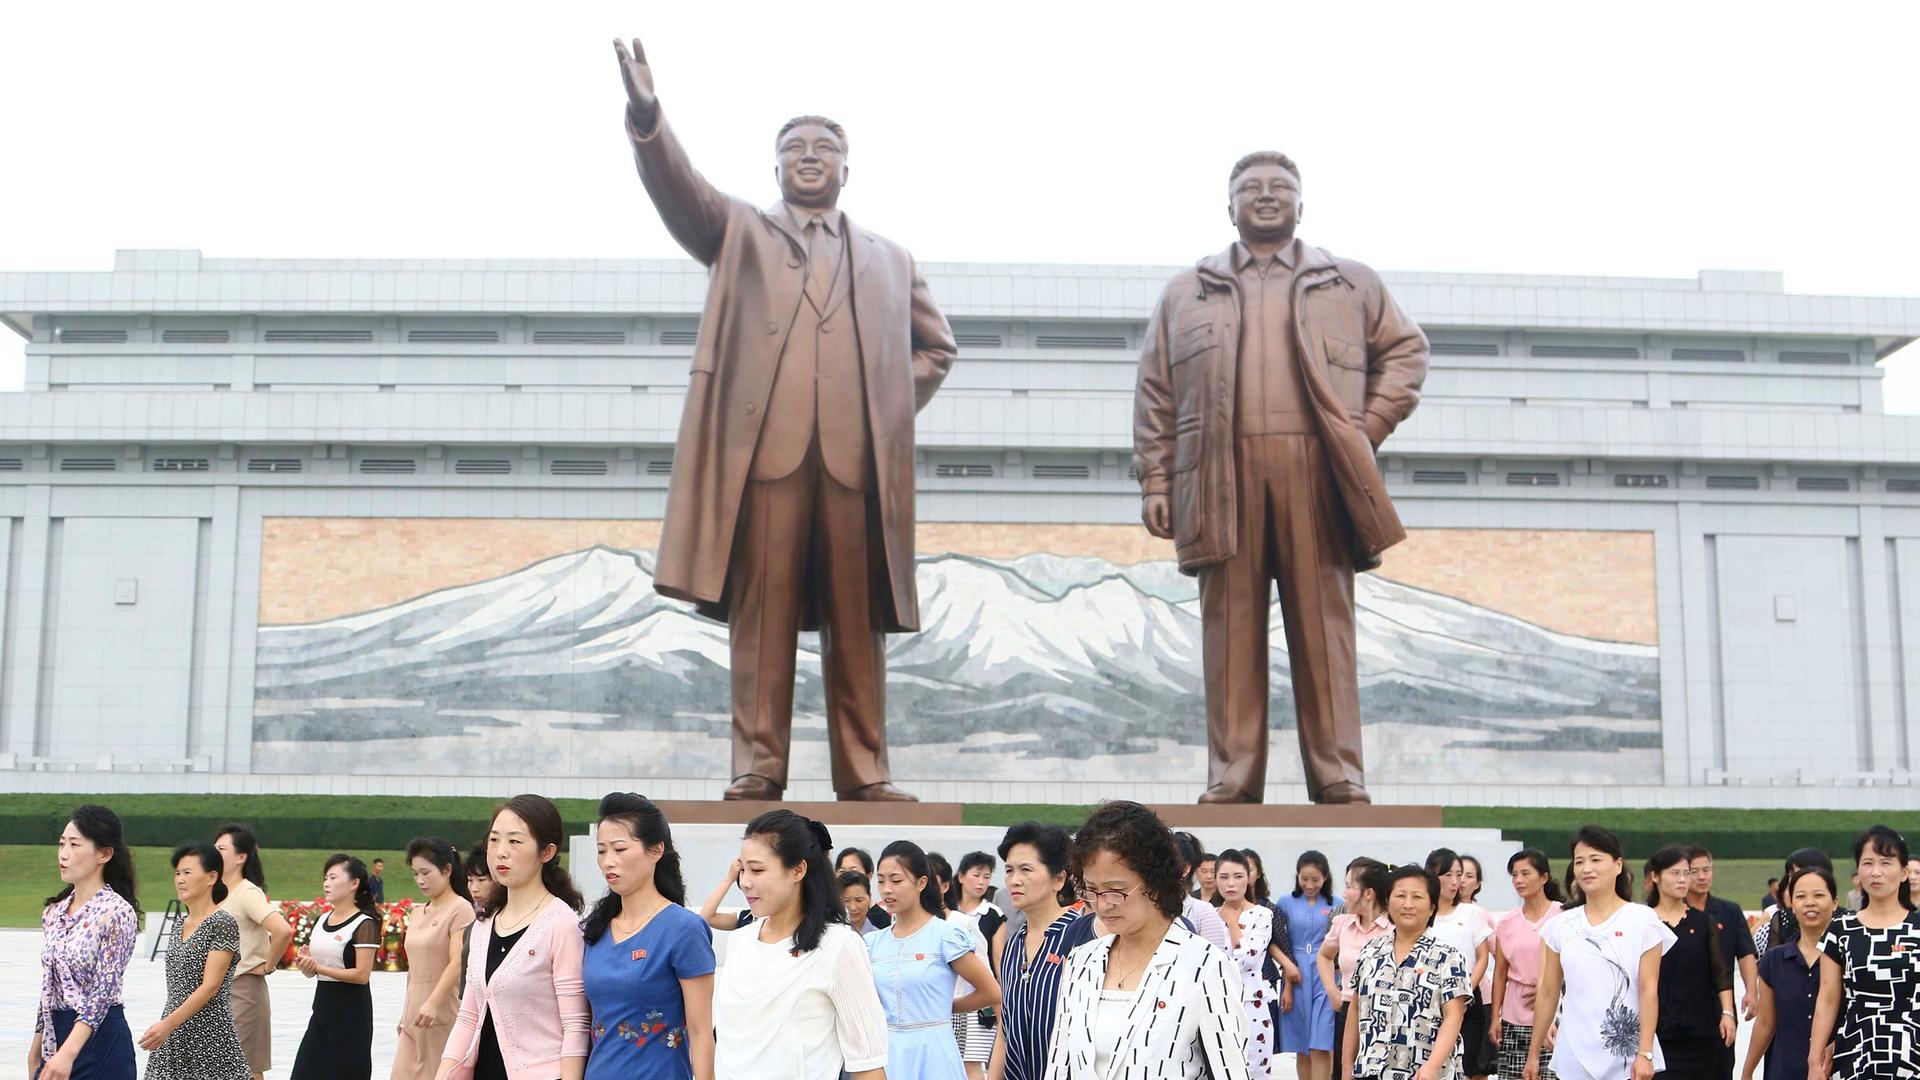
(810, 161)
(1263, 196)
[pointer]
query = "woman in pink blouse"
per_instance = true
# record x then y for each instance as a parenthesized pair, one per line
(1516, 961)
(1364, 920)
(89, 931)
(523, 961)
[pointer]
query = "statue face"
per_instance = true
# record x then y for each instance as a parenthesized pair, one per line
(811, 164)
(1265, 202)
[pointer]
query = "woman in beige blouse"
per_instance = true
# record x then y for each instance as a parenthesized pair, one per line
(264, 935)
(434, 934)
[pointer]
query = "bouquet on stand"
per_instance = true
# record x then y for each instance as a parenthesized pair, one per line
(392, 954)
(302, 916)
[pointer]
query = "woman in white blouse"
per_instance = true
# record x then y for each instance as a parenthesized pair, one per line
(1600, 971)
(1250, 931)
(795, 997)
(1463, 924)
(1152, 1001)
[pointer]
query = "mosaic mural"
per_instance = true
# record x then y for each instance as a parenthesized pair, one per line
(528, 648)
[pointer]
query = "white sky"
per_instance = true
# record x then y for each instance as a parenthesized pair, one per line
(1602, 138)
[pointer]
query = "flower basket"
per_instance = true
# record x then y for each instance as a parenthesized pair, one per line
(392, 954)
(302, 916)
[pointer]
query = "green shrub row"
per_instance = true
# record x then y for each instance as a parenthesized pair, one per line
(368, 822)
(1728, 833)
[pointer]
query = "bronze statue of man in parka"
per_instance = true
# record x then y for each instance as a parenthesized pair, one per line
(1271, 373)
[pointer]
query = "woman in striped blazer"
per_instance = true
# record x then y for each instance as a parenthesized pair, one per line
(1153, 1001)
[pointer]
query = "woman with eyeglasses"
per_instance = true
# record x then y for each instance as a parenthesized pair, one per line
(1153, 1000)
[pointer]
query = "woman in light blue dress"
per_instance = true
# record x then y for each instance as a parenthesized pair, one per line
(1306, 1029)
(916, 963)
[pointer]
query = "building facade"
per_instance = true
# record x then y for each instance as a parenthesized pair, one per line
(387, 526)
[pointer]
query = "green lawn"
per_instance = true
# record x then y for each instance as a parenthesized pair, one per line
(28, 875)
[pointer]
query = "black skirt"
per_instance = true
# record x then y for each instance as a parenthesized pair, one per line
(339, 1040)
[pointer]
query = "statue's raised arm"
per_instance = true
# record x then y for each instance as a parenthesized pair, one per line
(694, 211)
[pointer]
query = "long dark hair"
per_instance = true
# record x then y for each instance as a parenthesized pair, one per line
(1538, 859)
(968, 863)
(1376, 877)
(1259, 889)
(210, 861)
(1821, 872)
(445, 859)
(800, 841)
(1885, 841)
(649, 826)
(942, 877)
(918, 864)
(476, 867)
(1663, 860)
(1479, 879)
(1239, 859)
(1318, 861)
(102, 829)
(1604, 842)
(363, 887)
(245, 843)
(543, 821)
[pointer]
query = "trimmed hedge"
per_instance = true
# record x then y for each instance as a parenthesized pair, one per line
(370, 822)
(1728, 833)
(333, 822)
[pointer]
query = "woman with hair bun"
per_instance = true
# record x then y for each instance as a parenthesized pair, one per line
(89, 929)
(1032, 962)
(917, 963)
(523, 962)
(433, 944)
(1600, 971)
(196, 1040)
(1516, 961)
(795, 999)
(264, 936)
(339, 1040)
(649, 963)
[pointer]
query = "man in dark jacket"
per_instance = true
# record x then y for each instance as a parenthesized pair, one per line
(1270, 375)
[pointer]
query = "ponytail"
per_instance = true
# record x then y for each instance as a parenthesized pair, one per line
(800, 841)
(917, 864)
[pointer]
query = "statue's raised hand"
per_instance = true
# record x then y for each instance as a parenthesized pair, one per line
(639, 79)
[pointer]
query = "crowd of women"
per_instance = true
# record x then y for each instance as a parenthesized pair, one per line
(1125, 952)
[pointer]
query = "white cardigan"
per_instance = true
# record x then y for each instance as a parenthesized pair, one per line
(1189, 1015)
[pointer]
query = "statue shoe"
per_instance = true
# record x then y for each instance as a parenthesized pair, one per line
(1221, 794)
(881, 792)
(1343, 793)
(753, 788)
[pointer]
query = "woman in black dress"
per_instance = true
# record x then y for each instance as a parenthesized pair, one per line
(1695, 980)
(339, 1040)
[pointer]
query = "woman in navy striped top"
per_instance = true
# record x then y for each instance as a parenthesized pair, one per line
(1034, 958)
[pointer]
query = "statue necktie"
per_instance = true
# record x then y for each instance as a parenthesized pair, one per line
(819, 260)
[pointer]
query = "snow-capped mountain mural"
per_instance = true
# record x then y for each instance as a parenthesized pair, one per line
(1023, 668)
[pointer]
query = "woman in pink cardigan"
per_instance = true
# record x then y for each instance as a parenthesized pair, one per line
(523, 963)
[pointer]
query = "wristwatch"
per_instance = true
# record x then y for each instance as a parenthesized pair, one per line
(1648, 1054)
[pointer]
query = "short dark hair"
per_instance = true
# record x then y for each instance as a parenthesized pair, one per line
(1259, 157)
(1415, 872)
(379, 862)
(1137, 837)
(1695, 851)
(838, 131)
(1049, 842)
(850, 878)
(866, 860)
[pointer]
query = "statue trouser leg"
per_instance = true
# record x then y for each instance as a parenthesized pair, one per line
(1233, 641)
(1315, 575)
(853, 651)
(1290, 531)
(766, 590)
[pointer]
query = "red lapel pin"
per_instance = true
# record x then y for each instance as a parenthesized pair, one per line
(639, 954)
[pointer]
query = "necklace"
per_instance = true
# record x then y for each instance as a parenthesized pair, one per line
(625, 932)
(1120, 980)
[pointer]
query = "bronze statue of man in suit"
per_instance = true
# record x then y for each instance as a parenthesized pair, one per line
(791, 503)
(1271, 373)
